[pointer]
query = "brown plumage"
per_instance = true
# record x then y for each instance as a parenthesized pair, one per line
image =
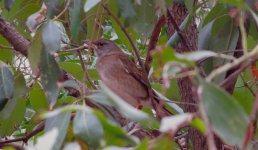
(121, 75)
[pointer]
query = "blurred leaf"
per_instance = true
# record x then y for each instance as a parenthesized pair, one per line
(101, 98)
(166, 55)
(51, 37)
(6, 55)
(197, 55)
(219, 35)
(73, 68)
(6, 85)
(237, 3)
(174, 39)
(174, 123)
(34, 51)
(74, 17)
(48, 140)
(72, 146)
(217, 11)
(114, 134)
(38, 99)
(231, 121)
(163, 143)
(88, 128)
(71, 84)
(126, 109)
(198, 124)
(9, 125)
(8, 3)
(89, 4)
(140, 16)
(243, 95)
(20, 90)
(174, 106)
(60, 123)
(50, 74)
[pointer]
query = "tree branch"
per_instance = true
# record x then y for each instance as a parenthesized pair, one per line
(154, 39)
(25, 138)
(176, 27)
(19, 43)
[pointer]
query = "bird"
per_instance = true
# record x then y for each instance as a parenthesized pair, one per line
(120, 74)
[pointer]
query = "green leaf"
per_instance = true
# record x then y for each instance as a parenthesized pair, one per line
(140, 16)
(217, 11)
(60, 122)
(9, 125)
(74, 17)
(219, 35)
(51, 37)
(6, 85)
(88, 128)
(50, 74)
(38, 99)
(243, 95)
(127, 110)
(225, 114)
(114, 134)
(6, 55)
(73, 68)
(237, 3)
(20, 90)
(34, 51)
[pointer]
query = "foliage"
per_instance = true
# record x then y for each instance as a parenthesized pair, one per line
(51, 93)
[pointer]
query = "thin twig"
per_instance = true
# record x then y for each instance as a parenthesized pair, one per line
(247, 86)
(252, 55)
(25, 138)
(176, 27)
(251, 129)
(74, 49)
(5, 47)
(85, 70)
(226, 83)
(64, 10)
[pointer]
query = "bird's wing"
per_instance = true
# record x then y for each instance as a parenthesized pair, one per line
(133, 70)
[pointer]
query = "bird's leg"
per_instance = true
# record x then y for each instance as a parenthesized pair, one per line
(139, 106)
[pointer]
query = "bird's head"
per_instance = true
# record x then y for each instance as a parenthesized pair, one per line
(104, 46)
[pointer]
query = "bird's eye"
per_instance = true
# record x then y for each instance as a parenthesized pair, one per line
(100, 44)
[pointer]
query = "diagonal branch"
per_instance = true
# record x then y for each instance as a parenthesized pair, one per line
(25, 138)
(154, 39)
(8, 31)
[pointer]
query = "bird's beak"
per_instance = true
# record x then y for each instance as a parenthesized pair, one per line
(91, 44)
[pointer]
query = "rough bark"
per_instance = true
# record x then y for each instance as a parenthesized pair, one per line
(8, 31)
(178, 13)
